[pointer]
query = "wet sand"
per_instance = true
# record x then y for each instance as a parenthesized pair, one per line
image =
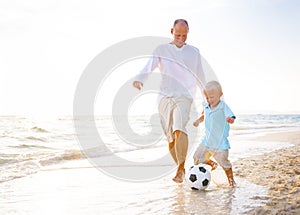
(85, 190)
(267, 184)
(279, 171)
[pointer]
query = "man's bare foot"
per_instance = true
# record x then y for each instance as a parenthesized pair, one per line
(179, 176)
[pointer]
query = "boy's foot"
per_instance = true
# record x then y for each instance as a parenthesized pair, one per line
(229, 175)
(213, 164)
(179, 176)
(232, 183)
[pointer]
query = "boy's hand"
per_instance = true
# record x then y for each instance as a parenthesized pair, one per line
(198, 121)
(230, 120)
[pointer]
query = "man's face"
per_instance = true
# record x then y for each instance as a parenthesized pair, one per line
(180, 32)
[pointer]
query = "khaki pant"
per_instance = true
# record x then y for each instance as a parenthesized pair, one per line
(203, 153)
(174, 115)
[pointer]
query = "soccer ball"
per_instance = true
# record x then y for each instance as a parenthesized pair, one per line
(198, 177)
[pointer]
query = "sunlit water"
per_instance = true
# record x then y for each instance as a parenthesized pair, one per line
(44, 171)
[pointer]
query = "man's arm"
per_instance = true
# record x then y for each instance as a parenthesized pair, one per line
(151, 65)
(200, 74)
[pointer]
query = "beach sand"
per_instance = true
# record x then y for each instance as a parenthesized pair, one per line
(279, 171)
(267, 184)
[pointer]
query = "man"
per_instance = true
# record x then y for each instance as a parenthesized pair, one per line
(181, 70)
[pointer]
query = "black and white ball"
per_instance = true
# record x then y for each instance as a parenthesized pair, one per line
(198, 177)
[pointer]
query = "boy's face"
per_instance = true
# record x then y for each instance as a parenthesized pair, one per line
(213, 97)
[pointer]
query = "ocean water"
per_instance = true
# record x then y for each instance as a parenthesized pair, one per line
(29, 146)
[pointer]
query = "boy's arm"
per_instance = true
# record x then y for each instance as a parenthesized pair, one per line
(230, 117)
(198, 121)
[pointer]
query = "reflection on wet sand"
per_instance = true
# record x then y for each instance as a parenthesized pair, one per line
(91, 191)
(218, 200)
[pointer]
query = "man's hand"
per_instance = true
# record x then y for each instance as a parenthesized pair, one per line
(138, 85)
(230, 120)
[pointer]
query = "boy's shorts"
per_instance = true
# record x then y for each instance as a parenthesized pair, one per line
(174, 115)
(203, 154)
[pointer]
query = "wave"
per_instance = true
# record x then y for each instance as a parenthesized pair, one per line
(14, 166)
(18, 170)
(38, 129)
(7, 160)
(36, 138)
(258, 127)
(17, 166)
(68, 155)
(30, 146)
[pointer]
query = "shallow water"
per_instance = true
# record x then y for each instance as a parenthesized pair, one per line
(43, 171)
(27, 145)
(88, 191)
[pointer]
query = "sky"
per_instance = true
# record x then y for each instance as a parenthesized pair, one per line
(252, 46)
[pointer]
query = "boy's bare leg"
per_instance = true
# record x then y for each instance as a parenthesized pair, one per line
(181, 147)
(213, 164)
(229, 175)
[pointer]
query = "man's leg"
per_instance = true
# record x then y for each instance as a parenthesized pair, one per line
(181, 147)
(165, 110)
(173, 152)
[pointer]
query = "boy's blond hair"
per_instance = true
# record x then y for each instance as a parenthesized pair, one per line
(213, 85)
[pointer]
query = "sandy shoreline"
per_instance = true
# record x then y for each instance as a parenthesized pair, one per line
(279, 171)
(267, 184)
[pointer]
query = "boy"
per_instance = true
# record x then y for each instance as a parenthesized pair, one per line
(217, 116)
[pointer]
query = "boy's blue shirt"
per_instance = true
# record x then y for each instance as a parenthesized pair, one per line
(216, 127)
